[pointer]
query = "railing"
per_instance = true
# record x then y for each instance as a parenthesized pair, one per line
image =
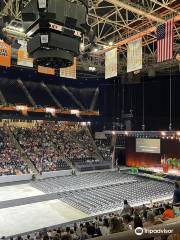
(43, 110)
(96, 151)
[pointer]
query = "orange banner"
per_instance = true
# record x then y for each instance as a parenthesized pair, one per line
(5, 54)
(46, 70)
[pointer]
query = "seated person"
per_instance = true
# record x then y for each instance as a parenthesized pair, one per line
(168, 213)
(126, 209)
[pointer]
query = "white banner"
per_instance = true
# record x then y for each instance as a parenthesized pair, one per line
(134, 55)
(69, 72)
(111, 63)
(23, 58)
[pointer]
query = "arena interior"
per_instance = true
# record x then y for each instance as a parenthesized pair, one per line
(89, 119)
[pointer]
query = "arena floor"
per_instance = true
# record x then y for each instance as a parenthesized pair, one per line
(11, 192)
(24, 217)
(26, 207)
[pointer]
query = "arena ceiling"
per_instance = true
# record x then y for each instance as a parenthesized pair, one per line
(114, 21)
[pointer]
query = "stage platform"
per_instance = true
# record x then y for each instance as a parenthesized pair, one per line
(173, 174)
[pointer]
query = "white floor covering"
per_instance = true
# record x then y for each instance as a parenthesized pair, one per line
(18, 191)
(19, 219)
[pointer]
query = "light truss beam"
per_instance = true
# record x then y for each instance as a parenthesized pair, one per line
(136, 10)
(166, 6)
(136, 36)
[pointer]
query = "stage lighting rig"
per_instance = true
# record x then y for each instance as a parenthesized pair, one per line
(56, 29)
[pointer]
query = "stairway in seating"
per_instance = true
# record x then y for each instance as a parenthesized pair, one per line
(96, 151)
(23, 154)
(69, 163)
(47, 89)
(31, 100)
(2, 99)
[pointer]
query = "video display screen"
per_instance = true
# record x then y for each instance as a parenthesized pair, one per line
(148, 145)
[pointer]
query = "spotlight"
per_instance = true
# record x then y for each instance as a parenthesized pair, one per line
(92, 69)
(74, 111)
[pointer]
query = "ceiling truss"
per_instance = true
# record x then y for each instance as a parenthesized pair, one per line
(115, 20)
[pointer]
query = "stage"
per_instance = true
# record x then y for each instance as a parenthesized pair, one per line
(173, 174)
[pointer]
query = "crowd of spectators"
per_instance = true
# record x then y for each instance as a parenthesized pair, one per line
(129, 219)
(77, 143)
(49, 144)
(11, 161)
(39, 143)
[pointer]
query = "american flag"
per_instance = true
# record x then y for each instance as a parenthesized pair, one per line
(165, 36)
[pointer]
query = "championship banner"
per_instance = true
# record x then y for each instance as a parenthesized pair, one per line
(23, 58)
(69, 72)
(5, 54)
(111, 63)
(46, 70)
(134, 55)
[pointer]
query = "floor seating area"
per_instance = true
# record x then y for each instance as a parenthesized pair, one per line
(104, 198)
(82, 181)
(96, 193)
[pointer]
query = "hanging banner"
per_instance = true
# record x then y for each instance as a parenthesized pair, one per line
(5, 54)
(69, 72)
(23, 58)
(111, 63)
(46, 70)
(134, 55)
